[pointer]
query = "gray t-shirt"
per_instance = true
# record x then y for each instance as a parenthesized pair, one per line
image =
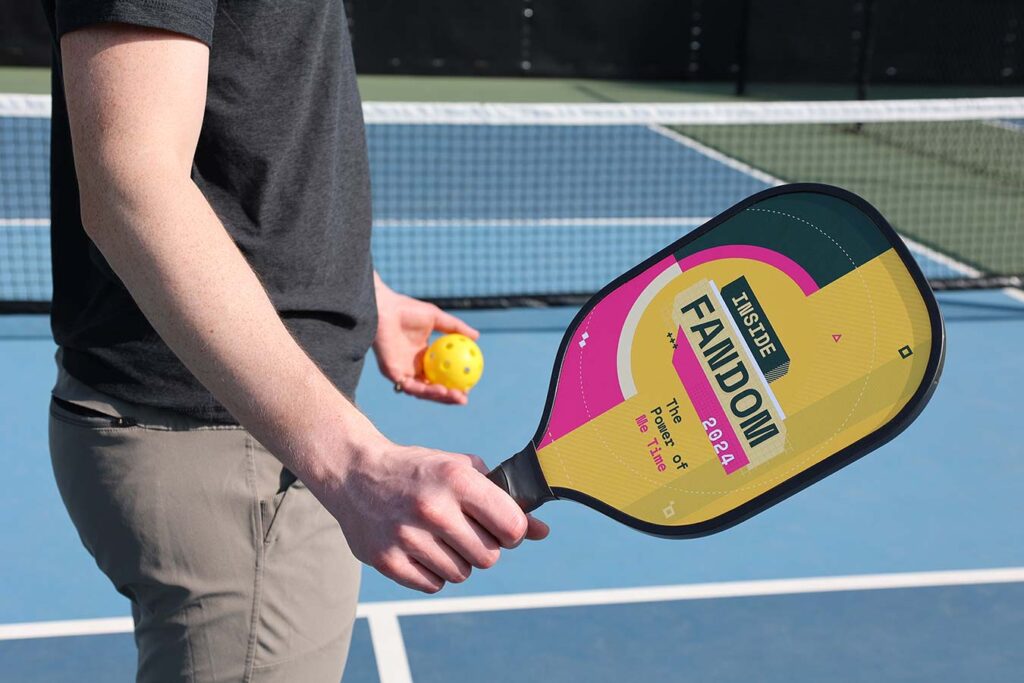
(281, 159)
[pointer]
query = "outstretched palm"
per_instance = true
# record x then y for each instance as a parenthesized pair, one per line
(403, 334)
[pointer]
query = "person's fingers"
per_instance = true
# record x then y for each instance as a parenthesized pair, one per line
(439, 558)
(458, 397)
(446, 322)
(420, 389)
(536, 530)
(473, 543)
(407, 572)
(433, 392)
(389, 370)
(486, 547)
(493, 509)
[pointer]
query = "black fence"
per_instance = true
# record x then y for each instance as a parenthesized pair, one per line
(977, 42)
(24, 37)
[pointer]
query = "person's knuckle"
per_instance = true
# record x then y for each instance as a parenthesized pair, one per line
(519, 525)
(405, 536)
(513, 528)
(384, 563)
(488, 558)
(463, 482)
(430, 513)
(451, 469)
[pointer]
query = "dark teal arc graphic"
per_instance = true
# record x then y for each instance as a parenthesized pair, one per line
(827, 236)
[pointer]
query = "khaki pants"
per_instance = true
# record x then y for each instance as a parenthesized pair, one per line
(235, 572)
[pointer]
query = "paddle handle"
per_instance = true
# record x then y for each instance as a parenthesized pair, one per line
(521, 477)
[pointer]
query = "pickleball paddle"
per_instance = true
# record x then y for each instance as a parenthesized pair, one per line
(777, 343)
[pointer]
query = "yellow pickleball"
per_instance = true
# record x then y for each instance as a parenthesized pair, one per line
(454, 361)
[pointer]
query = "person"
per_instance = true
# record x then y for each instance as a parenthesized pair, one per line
(214, 298)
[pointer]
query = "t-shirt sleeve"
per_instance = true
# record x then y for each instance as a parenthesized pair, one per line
(193, 18)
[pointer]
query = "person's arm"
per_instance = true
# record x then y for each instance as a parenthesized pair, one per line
(135, 101)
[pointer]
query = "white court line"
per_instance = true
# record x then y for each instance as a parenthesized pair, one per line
(389, 648)
(723, 159)
(957, 266)
(64, 629)
(24, 222)
(699, 591)
(613, 596)
(1009, 124)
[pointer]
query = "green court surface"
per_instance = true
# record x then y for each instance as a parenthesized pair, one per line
(930, 180)
(471, 89)
(19, 79)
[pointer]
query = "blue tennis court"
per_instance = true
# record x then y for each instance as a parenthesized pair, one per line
(906, 566)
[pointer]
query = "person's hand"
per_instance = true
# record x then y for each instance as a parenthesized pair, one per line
(423, 517)
(403, 331)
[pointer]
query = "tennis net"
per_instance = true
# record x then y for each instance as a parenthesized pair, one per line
(482, 205)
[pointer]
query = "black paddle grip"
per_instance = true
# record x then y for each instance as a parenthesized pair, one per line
(520, 477)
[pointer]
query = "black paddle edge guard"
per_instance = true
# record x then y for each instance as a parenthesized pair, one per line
(520, 477)
(812, 474)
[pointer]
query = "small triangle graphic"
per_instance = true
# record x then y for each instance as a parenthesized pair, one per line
(836, 337)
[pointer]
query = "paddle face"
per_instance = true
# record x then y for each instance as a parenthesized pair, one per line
(779, 342)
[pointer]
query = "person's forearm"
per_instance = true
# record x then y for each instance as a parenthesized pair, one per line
(167, 245)
(135, 107)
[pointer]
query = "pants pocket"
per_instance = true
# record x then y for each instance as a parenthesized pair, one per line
(272, 509)
(84, 416)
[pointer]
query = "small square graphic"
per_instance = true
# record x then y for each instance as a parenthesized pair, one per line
(906, 352)
(585, 336)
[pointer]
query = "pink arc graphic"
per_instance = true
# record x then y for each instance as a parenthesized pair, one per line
(775, 259)
(588, 384)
